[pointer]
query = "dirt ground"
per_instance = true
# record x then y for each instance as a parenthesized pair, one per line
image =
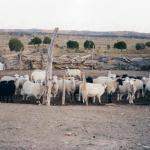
(109, 127)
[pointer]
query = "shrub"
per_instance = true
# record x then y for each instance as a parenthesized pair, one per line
(46, 40)
(140, 46)
(147, 44)
(35, 40)
(73, 45)
(89, 44)
(120, 45)
(108, 47)
(15, 45)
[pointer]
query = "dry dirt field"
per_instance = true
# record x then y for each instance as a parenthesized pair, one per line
(109, 127)
(61, 40)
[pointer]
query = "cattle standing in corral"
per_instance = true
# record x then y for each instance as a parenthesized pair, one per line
(73, 73)
(38, 76)
(19, 83)
(32, 89)
(7, 90)
(111, 85)
(111, 75)
(87, 90)
(70, 87)
(126, 88)
(2, 66)
(139, 86)
(92, 90)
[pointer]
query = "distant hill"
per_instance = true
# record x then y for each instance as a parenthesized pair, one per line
(128, 34)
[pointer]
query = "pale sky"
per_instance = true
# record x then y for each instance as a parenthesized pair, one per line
(94, 15)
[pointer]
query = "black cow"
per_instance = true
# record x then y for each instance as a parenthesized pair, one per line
(89, 79)
(120, 81)
(7, 90)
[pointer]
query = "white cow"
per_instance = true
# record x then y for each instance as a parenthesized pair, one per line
(87, 90)
(32, 89)
(147, 88)
(111, 75)
(70, 87)
(73, 73)
(19, 83)
(126, 87)
(2, 66)
(8, 78)
(139, 86)
(38, 76)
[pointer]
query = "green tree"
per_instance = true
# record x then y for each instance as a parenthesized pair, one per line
(89, 44)
(140, 46)
(147, 44)
(15, 45)
(46, 40)
(35, 41)
(73, 45)
(120, 45)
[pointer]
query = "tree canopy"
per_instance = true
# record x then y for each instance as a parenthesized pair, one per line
(140, 46)
(35, 41)
(120, 45)
(89, 44)
(147, 44)
(73, 45)
(15, 45)
(46, 40)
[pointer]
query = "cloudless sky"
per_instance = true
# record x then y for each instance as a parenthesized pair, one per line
(94, 15)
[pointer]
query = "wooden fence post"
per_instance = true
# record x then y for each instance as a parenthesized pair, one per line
(48, 77)
(63, 94)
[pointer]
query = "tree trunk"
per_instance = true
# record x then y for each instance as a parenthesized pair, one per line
(20, 59)
(48, 78)
(92, 58)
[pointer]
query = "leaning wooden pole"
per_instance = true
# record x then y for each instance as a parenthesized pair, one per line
(47, 95)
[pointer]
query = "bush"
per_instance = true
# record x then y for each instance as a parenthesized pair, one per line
(15, 45)
(73, 45)
(89, 44)
(147, 44)
(46, 40)
(120, 45)
(140, 46)
(108, 47)
(35, 40)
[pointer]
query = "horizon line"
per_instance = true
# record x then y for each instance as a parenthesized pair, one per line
(74, 30)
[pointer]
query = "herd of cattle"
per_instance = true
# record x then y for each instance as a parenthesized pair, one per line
(77, 86)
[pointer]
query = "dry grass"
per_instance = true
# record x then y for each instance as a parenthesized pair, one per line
(100, 42)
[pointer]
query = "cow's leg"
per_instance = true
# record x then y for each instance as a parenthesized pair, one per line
(109, 98)
(143, 93)
(94, 99)
(86, 100)
(131, 99)
(11, 98)
(138, 94)
(7, 99)
(72, 95)
(24, 97)
(118, 97)
(99, 99)
(27, 97)
(121, 95)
